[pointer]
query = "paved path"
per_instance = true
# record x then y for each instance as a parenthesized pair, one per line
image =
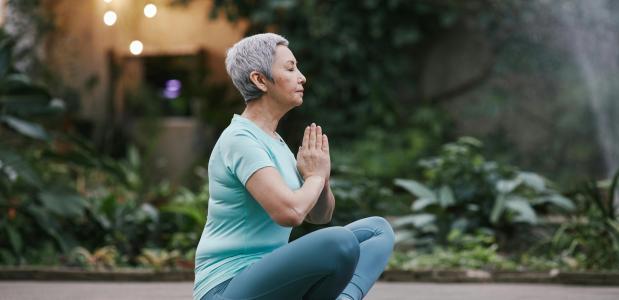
(26, 290)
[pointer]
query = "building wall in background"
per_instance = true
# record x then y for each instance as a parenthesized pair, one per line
(78, 47)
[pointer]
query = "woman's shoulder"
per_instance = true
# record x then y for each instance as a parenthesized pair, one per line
(237, 132)
(235, 136)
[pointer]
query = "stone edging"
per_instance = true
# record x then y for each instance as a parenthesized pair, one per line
(554, 277)
(77, 274)
(439, 276)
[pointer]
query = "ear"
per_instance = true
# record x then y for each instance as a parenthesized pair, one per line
(259, 80)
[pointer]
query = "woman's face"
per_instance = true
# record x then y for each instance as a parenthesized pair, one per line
(287, 85)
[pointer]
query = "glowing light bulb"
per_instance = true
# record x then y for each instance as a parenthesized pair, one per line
(150, 10)
(109, 18)
(136, 47)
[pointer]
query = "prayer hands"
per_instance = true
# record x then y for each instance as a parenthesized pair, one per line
(313, 156)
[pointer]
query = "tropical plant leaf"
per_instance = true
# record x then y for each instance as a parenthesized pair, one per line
(418, 220)
(522, 208)
(21, 166)
(15, 83)
(26, 128)
(533, 181)
(612, 195)
(422, 203)
(415, 188)
(190, 212)
(29, 104)
(498, 208)
(63, 203)
(557, 200)
(48, 224)
(14, 238)
(446, 196)
(507, 186)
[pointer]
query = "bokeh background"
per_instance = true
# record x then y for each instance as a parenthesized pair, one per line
(486, 131)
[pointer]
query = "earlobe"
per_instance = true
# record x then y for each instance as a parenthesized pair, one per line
(258, 81)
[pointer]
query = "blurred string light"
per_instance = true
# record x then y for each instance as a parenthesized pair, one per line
(172, 89)
(150, 10)
(136, 47)
(107, 1)
(109, 18)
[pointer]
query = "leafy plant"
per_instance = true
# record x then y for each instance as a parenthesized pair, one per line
(37, 202)
(465, 191)
(384, 154)
(102, 258)
(159, 259)
(332, 37)
(183, 218)
(464, 251)
(590, 237)
(127, 224)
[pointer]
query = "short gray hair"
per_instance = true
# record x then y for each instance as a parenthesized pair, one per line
(253, 53)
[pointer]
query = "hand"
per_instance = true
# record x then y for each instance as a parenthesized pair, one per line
(313, 156)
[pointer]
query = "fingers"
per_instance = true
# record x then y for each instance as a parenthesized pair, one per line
(305, 142)
(312, 137)
(325, 143)
(318, 138)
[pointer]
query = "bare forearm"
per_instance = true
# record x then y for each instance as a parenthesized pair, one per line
(307, 196)
(323, 210)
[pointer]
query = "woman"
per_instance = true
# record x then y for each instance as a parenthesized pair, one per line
(258, 192)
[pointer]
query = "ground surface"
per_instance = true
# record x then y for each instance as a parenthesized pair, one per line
(17, 290)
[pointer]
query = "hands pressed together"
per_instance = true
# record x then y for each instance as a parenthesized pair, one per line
(313, 157)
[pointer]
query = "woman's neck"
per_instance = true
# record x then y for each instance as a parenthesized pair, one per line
(264, 115)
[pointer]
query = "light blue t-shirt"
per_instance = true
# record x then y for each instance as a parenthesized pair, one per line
(238, 231)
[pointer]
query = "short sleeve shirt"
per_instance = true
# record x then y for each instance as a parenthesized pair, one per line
(238, 230)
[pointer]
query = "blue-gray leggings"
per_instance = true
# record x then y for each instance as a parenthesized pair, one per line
(320, 265)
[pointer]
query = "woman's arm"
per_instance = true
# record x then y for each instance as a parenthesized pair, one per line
(285, 206)
(288, 207)
(323, 210)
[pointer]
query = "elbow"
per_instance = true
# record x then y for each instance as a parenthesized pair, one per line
(291, 219)
(288, 215)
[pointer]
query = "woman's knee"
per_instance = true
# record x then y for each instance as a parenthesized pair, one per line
(383, 227)
(342, 244)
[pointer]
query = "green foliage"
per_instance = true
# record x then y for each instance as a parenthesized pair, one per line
(590, 237)
(37, 203)
(385, 155)
(464, 191)
(359, 57)
(159, 259)
(464, 251)
(183, 218)
(60, 197)
(359, 197)
(132, 215)
(102, 258)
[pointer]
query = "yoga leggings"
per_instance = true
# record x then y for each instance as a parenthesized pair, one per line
(326, 264)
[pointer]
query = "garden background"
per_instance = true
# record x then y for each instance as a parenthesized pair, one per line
(485, 131)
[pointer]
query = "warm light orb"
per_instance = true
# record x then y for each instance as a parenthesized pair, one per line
(107, 1)
(136, 47)
(109, 18)
(150, 10)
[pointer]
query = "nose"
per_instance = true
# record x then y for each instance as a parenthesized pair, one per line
(301, 78)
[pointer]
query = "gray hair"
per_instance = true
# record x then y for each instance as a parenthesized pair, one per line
(253, 53)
